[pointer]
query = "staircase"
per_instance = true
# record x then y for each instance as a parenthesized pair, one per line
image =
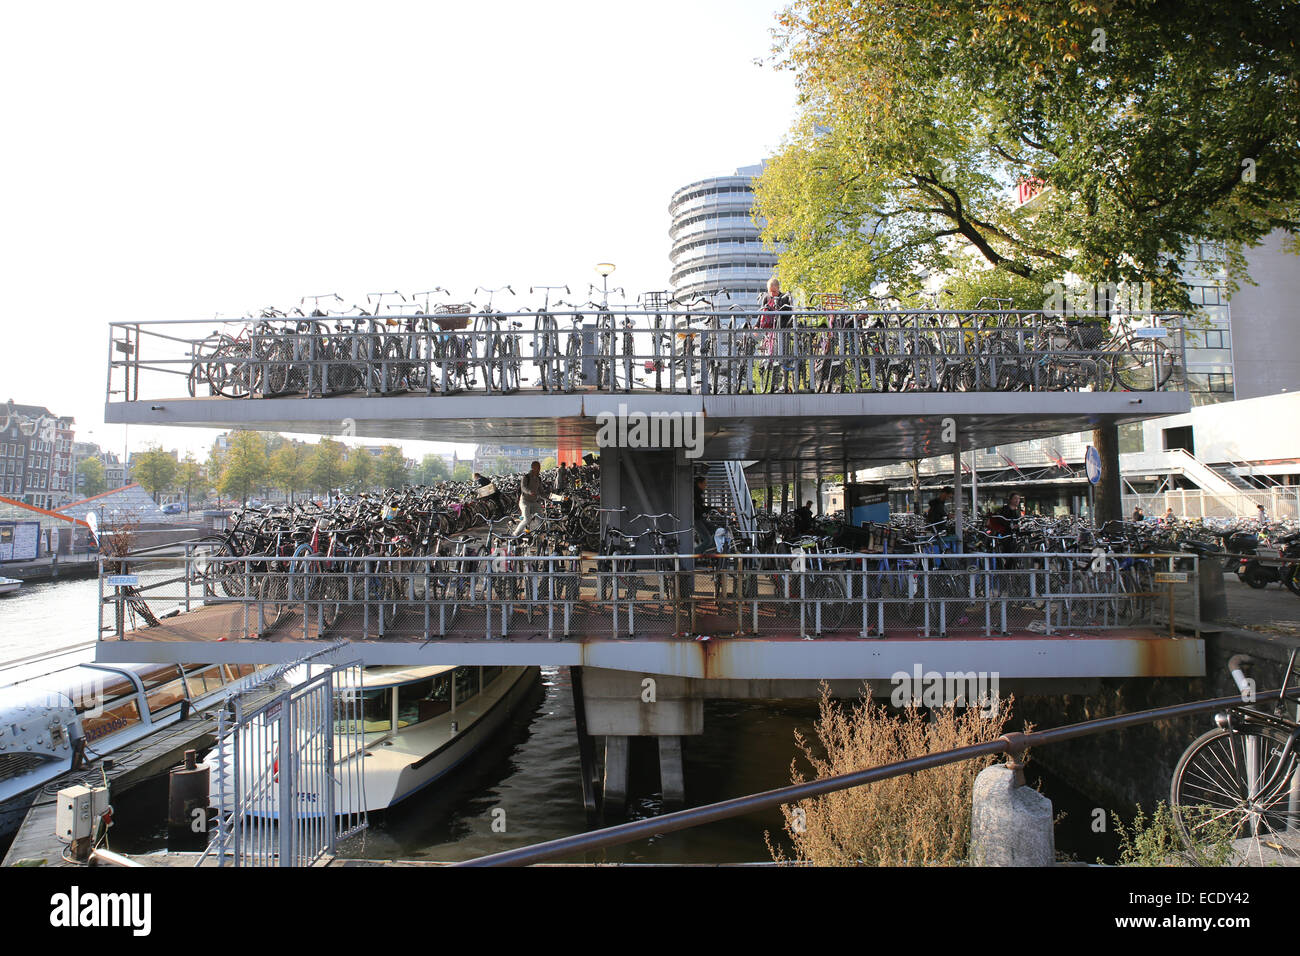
(728, 490)
(1178, 461)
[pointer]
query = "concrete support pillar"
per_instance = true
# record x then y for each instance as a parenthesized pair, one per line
(1011, 824)
(672, 777)
(617, 752)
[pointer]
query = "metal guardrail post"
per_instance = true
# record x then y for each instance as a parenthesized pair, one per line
(287, 820)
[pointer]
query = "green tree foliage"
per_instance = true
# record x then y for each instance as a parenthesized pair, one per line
(1148, 125)
(390, 468)
(325, 470)
(360, 469)
(431, 469)
(463, 471)
(191, 478)
(90, 477)
(244, 466)
(155, 471)
(289, 467)
(548, 463)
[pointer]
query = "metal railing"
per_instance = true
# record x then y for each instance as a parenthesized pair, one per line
(289, 773)
(1281, 503)
(1013, 745)
(621, 351)
(838, 595)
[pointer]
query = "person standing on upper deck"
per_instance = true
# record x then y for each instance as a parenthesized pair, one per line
(777, 314)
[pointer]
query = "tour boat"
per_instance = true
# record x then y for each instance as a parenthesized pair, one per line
(63, 711)
(9, 585)
(417, 724)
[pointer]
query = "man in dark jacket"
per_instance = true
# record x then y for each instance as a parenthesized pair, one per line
(937, 514)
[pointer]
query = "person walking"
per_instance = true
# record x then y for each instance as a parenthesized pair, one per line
(530, 496)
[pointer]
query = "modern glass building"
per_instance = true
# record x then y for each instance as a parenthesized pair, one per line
(715, 243)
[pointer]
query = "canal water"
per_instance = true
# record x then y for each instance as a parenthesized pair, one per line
(524, 787)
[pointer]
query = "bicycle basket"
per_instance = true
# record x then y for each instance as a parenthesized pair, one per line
(450, 318)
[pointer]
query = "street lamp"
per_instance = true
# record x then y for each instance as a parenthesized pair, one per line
(604, 269)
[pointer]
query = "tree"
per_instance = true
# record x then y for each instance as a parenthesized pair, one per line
(390, 468)
(431, 470)
(1146, 127)
(190, 477)
(155, 471)
(245, 465)
(360, 469)
(216, 467)
(462, 472)
(503, 466)
(548, 463)
(289, 467)
(90, 477)
(1143, 128)
(325, 470)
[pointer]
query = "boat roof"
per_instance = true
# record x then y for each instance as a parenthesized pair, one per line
(378, 677)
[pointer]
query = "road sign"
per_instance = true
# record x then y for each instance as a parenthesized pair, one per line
(1092, 462)
(1154, 333)
(123, 580)
(1171, 577)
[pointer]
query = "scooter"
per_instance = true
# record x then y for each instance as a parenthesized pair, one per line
(1279, 562)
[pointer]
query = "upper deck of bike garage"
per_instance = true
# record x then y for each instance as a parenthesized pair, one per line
(887, 383)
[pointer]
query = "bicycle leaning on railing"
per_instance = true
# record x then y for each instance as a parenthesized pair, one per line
(1239, 781)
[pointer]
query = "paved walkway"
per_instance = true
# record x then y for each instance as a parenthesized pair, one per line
(1271, 610)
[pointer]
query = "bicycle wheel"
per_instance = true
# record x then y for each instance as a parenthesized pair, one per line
(1220, 796)
(827, 590)
(1143, 369)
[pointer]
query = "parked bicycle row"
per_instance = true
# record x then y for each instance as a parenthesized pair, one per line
(812, 590)
(558, 349)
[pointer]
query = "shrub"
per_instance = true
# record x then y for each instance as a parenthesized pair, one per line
(919, 819)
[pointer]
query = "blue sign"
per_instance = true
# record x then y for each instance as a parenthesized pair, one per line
(1092, 462)
(123, 580)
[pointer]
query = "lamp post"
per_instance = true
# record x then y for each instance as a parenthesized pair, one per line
(604, 269)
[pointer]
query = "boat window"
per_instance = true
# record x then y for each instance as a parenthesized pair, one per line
(466, 684)
(377, 710)
(490, 674)
(157, 675)
(236, 671)
(423, 700)
(202, 679)
(166, 695)
(118, 711)
(95, 687)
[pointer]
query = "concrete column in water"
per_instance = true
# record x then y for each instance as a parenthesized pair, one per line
(617, 750)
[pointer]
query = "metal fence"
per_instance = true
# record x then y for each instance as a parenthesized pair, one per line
(676, 352)
(1281, 503)
(648, 596)
(287, 774)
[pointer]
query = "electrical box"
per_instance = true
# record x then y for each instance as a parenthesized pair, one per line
(77, 810)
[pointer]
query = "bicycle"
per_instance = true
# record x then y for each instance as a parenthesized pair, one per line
(1239, 781)
(546, 342)
(500, 357)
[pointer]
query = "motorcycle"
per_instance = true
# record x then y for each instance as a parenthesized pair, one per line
(1277, 562)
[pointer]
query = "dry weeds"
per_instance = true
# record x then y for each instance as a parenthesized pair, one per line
(921, 819)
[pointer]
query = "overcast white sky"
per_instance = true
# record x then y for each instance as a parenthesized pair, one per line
(177, 160)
